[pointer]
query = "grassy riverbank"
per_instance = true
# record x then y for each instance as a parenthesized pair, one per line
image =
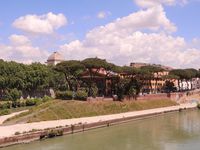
(58, 109)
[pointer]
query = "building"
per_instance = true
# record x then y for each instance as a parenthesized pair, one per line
(54, 59)
(196, 83)
(156, 84)
(139, 65)
(192, 84)
(104, 80)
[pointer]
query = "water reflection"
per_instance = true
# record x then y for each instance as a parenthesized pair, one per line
(168, 132)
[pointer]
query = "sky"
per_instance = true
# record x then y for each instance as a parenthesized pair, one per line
(120, 31)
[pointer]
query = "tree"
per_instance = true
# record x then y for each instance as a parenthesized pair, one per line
(37, 77)
(93, 66)
(169, 87)
(184, 74)
(13, 95)
(72, 71)
(130, 85)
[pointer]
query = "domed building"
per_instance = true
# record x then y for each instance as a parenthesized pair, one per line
(54, 59)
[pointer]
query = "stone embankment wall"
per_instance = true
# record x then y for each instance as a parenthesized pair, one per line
(164, 96)
(172, 96)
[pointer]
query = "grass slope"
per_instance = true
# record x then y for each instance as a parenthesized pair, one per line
(58, 109)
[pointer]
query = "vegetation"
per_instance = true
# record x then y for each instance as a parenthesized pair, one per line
(198, 106)
(4, 112)
(81, 95)
(64, 95)
(66, 79)
(7, 107)
(58, 109)
(72, 71)
(18, 80)
(184, 74)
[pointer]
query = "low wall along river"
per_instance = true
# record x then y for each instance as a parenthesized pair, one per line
(174, 131)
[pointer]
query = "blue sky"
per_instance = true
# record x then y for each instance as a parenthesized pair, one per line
(82, 17)
(81, 12)
(77, 11)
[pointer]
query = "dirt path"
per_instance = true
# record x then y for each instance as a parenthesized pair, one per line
(5, 117)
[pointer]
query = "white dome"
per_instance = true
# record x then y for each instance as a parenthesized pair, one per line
(55, 57)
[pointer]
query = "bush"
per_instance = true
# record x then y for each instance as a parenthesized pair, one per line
(46, 98)
(22, 103)
(52, 133)
(4, 112)
(30, 102)
(81, 95)
(33, 102)
(64, 95)
(6, 105)
(198, 106)
(94, 91)
(12, 95)
(17, 133)
(60, 132)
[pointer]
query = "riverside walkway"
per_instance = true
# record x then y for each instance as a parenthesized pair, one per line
(10, 130)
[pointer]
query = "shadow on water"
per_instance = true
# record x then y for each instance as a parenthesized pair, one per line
(172, 131)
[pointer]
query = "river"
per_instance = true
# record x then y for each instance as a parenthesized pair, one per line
(176, 131)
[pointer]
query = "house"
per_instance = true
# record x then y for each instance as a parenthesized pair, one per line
(156, 84)
(104, 80)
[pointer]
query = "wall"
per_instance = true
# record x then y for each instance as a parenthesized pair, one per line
(172, 96)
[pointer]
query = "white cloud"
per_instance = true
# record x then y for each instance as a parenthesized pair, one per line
(124, 41)
(153, 19)
(153, 3)
(137, 47)
(19, 40)
(103, 14)
(21, 50)
(44, 24)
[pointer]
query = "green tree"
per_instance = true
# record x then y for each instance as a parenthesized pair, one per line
(72, 71)
(169, 87)
(93, 66)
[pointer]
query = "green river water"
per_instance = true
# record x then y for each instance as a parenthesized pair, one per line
(177, 131)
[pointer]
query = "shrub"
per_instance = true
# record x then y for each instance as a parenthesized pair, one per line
(18, 103)
(46, 98)
(4, 112)
(30, 102)
(33, 102)
(81, 95)
(22, 103)
(6, 105)
(17, 133)
(198, 106)
(94, 91)
(60, 132)
(64, 95)
(12, 95)
(52, 133)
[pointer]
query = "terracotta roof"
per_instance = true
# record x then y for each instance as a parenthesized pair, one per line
(55, 57)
